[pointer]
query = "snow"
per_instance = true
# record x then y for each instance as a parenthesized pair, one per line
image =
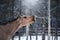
(34, 38)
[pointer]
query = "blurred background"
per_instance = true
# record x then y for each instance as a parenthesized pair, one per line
(12, 9)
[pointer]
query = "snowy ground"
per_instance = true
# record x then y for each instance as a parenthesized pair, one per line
(33, 38)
